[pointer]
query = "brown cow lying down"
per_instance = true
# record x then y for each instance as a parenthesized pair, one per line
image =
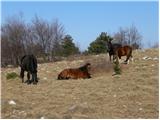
(81, 72)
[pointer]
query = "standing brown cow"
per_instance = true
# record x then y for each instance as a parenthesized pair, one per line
(124, 51)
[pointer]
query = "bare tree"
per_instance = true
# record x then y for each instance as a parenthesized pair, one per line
(40, 37)
(48, 35)
(5, 51)
(40, 33)
(13, 34)
(133, 37)
(120, 36)
(58, 35)
(129, 36)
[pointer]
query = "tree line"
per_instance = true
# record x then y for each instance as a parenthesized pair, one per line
(49, 42)
(46, 40)
(125, 36)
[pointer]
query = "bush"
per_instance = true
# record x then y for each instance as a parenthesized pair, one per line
(99, 45)
(68, 47)
(117, 68)
(11, 75)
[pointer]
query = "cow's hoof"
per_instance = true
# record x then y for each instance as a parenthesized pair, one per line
(28, 82)
(125, 62)
(34, 83)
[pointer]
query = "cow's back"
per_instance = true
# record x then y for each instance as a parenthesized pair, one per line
(29, 63)
(115, 47)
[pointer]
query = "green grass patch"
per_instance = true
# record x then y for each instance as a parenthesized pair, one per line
(11, 75)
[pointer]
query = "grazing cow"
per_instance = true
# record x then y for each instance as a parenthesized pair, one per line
(112, 48)
(29, 64)
(124, 51)
(81, 72)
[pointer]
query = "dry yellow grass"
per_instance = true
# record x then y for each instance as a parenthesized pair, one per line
(134, 94)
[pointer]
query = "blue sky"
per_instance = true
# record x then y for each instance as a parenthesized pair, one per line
(84, 21)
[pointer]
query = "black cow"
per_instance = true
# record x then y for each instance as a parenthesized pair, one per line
(29, 64)
(112, 48)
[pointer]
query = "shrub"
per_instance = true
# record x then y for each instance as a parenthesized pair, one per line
(117, 68)
(99, 45)
(11, 75)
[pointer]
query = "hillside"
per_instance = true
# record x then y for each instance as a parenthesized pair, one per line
(133, 94)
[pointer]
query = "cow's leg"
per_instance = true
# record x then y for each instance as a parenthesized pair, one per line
(129, 55)
(22, 75)
(28, 78)
(120, 60)
(126, 61)
(89, 76)
(110, 57)
(131, 58)
(114, 58)
(34, 78)
(59, 77)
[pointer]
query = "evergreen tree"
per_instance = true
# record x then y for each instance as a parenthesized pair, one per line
(99, 45)
(68, 47)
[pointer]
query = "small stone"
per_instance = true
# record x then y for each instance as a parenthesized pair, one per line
(11, 102)
(45, 78)
(144, 58)
(155, 58)
(42, 117)
(140, 109)
(72, 108)
(124, 106)
(114, 96)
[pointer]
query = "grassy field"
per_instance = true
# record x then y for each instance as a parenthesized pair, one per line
(133, 94)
